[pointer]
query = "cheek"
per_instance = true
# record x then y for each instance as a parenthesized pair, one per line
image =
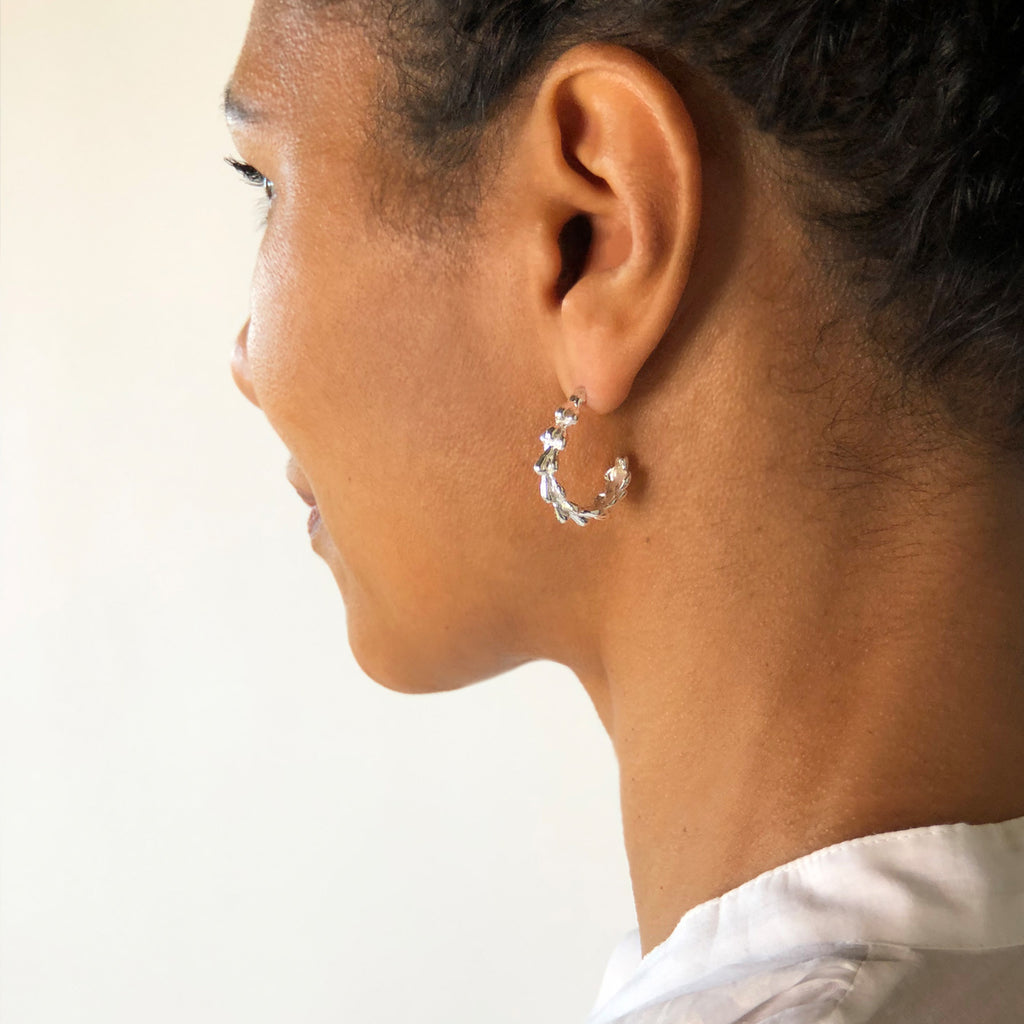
(370, 369)
(314, 344)
(278, 310)
(390, 389)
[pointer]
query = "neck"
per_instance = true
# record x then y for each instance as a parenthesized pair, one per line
(775, 679)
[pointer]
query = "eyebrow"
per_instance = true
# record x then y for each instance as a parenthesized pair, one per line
(237, 111)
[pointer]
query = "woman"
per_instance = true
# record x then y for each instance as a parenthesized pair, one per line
(773, 250)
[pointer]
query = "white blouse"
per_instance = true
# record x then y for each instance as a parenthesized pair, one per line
(921, 926)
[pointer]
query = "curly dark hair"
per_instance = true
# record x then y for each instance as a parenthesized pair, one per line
(911, 111)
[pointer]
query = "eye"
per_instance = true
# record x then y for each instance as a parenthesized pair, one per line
(253, 177)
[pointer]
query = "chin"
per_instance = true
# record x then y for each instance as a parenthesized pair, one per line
(414, 653)
(417, 664)
(388, 666)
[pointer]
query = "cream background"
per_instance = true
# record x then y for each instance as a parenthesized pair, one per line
(209, 814)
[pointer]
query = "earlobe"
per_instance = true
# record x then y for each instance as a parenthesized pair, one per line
(617, 182)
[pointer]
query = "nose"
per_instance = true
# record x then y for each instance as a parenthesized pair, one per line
(240, 365)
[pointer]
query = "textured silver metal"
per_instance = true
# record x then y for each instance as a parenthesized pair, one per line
(617, 476)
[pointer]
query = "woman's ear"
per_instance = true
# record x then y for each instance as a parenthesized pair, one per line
(611, 182)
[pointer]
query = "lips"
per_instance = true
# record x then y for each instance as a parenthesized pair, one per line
(300, 483)
(298, 480)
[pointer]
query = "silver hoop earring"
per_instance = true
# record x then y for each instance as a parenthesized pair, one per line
(551, 491)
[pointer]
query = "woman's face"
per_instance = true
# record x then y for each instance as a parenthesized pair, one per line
(402, 380)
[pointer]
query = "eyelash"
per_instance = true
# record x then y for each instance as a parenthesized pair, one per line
(253, 177)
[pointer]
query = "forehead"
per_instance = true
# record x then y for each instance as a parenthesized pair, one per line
(301, 67)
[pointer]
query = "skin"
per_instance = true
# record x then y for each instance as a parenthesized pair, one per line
(804, 623)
